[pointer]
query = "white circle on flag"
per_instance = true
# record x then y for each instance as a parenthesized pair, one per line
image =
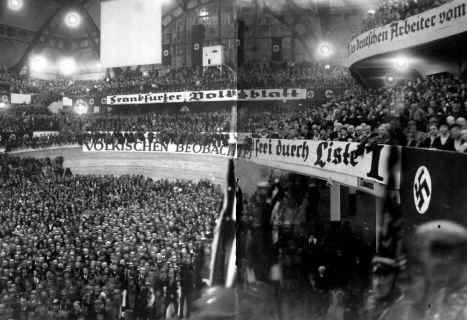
(91, 101)
(5, 98)
(196, 46)
(166, 53)
(329, 93)
(422, 190)
(276, 48)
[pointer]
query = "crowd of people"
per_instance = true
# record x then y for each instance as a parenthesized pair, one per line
(288, 241)
(100, 247)
(294, 75)
(393, 10)
(425, 113)
(252, 74)
(329, 270)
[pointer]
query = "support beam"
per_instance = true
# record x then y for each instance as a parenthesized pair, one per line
(281, 18)
(90, 27)
(36, 40)
(89, 19)
(335, 198)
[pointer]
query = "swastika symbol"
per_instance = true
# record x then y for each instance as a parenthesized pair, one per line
(422, 191)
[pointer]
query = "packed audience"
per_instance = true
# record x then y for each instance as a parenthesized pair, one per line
(288, 240)
(253, 74)
(393, 10)
(294, 75)
(99, 247)
(426, 113)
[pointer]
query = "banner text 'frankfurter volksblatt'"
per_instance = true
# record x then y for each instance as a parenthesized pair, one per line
(156, 147)
(207, 96)
(347, 158)
(437, 23)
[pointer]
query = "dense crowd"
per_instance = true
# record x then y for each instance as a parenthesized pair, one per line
(288, 240)
(98, 247)
(393, 10)
(129, 81)
(426, 113)
(294, 75)
(19, 125)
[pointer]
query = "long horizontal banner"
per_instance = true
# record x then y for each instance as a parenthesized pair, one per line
(321, 158)
(207, 96)
(346, 162)
(37, 134)
(438, 23)
(156, 147)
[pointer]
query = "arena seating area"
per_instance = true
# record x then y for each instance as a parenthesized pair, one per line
(392, 10)
(72, 246)
(422, 112)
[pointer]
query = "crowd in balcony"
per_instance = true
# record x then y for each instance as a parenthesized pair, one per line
(429, 113)
(393, 10)
(128, 81)
(100, 247)
(425, 113)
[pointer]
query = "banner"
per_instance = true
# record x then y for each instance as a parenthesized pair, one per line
(346, 162)
(276, 49)
(67, 102)
(19, 98)
(156, 147)
(166, 55)
(197, 43)
(208, 96)
(433, 186)
(438, 23)
(37, 134)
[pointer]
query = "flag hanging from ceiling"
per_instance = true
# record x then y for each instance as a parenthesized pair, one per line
(276, 49)
(197, 41)
(166, 55)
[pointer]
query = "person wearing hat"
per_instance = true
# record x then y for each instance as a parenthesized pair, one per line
(384, 291)
(438, 269)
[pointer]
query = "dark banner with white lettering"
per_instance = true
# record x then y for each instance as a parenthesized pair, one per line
(433, 186)
(166, 55)
(276, 49)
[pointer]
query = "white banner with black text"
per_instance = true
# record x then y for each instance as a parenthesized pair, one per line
(438, 23)
(208, 96)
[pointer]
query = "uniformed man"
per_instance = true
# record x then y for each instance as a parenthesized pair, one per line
(438, 265)
(384, 293)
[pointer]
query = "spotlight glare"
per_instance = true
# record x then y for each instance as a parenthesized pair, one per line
(390, 79)
(38, 64)
(3, 105)
(67, 66)
(325, 50)
(400, 63)
(15, 5)
(81, 107)
(371, 11)
(327, 67)
(72, 19)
